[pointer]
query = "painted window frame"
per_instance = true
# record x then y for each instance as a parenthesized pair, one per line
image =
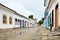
(4, 19)
(10, 20)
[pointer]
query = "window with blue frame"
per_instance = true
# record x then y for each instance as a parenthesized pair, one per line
(22, 23)
(49, 20)
(46, 23)
(46, 13)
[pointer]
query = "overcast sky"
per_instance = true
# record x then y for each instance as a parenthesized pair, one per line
(26, 7)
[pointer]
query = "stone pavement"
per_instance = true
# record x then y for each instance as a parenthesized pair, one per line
(40, 33)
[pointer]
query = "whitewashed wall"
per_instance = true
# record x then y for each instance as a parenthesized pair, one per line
(59, 12)
(46, 2)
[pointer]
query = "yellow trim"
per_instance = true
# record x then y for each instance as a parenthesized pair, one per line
(6, 20)
(10, 20)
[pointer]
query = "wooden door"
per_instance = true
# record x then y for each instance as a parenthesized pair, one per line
(56, 17)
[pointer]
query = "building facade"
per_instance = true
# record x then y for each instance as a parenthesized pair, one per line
(53, 13)
(11, 19)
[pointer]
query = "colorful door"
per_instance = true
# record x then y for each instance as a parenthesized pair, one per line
(52, 17)
(56, 17)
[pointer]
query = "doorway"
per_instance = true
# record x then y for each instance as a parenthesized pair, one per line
(52, 17)
(56, 17)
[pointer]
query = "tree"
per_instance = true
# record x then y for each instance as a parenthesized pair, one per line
(31, 16)
(43, 19)
(40, 21)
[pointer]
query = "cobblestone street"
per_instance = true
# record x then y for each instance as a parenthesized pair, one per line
(29, 34)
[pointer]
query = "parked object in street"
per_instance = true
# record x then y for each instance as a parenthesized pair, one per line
(51, 27)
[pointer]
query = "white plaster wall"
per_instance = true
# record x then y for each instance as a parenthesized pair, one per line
(8, 13)
(46, 3)
(59, 12)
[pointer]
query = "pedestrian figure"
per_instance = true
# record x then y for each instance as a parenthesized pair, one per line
(51, 27)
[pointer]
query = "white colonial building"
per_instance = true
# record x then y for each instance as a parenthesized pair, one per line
(11, 19)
